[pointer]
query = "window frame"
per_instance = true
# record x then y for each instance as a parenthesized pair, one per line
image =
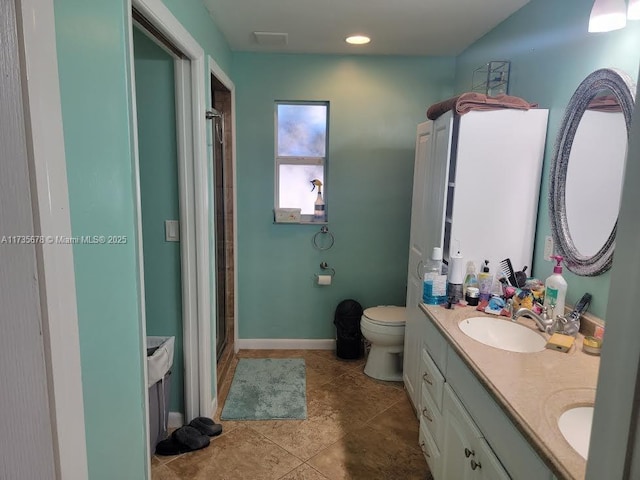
(301, 160)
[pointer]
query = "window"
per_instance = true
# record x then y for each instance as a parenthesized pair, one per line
(301, 146)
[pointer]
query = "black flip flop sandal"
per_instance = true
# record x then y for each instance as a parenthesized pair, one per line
(206, 426)
(191, 438)
(185, 439)
(169, 446)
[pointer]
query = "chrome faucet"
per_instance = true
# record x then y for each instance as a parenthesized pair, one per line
(544, 322)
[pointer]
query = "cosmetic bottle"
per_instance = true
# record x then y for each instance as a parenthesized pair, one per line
(470, 279)
(485, 282)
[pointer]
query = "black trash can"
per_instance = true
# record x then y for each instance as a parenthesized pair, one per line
(348, 336)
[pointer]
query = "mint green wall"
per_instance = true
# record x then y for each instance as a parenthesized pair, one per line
(196, 18)
(93, 60)
(551, 52)
(157, 153)
(375, 106)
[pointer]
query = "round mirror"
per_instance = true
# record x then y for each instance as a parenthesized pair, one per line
(588, 169)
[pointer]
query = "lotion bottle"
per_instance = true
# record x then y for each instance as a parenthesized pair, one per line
(555, 290)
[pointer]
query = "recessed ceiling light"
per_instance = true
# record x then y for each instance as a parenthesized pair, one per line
(357, 40)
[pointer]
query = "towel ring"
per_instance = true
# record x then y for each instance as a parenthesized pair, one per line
(324, 230)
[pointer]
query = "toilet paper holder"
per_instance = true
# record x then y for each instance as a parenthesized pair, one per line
(325, 266)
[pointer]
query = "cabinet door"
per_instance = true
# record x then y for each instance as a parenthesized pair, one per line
(488, 467)
(459, 435)
(413, 341)
(418, 246)
(437, 175)
(466, 455)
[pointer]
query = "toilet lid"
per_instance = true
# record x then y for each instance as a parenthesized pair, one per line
(386, 315)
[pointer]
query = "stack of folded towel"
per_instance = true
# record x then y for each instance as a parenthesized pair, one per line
(466, 102)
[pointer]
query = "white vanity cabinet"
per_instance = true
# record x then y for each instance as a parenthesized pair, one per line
(461, 424)
(476, 185)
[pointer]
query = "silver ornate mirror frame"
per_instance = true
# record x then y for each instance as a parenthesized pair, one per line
(621, 85)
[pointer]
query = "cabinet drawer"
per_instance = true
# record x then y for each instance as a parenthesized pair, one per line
(430, 451)
(431, 416)
(432, 379)
(435, 343)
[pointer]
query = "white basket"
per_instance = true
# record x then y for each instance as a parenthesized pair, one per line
(161, 361)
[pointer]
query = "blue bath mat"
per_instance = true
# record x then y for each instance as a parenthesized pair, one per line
(267, 389)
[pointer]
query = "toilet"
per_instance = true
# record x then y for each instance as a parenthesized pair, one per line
(383, 327)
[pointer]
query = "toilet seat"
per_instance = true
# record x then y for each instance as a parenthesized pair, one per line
(386, 315)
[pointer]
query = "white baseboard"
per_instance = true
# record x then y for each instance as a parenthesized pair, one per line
(214, 406)
(285, 344)
(176, 420)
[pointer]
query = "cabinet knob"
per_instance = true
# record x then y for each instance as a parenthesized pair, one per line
(468, 453)
(475, 465)
(425, 377)
(425, 414)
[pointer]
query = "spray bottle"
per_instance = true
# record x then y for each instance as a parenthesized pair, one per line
(318, 209)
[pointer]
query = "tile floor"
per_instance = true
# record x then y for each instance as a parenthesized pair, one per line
(357, 428)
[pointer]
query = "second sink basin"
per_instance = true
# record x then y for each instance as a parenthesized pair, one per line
(575, 425)
(503, 334)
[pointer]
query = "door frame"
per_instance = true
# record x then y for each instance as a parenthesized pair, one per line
(50, 193)
(194, 205)
(216, 70)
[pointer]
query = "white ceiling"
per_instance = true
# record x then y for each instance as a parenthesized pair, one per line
(396, 27)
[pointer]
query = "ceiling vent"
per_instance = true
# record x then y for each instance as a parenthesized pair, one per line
(271, 39)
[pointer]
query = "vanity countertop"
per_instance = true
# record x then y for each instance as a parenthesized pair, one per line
(533, 389)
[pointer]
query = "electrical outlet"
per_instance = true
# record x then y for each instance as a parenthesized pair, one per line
(548, 248)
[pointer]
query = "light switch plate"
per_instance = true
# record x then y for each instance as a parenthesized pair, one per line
(548, 247)
(172, 230)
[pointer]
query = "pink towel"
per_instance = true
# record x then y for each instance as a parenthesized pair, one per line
(440, 108)
(479, 101)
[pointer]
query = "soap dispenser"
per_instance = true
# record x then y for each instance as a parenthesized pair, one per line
(555, 290)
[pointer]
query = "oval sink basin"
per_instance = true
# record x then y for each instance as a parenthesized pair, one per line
(503, 334)
(575, 425)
